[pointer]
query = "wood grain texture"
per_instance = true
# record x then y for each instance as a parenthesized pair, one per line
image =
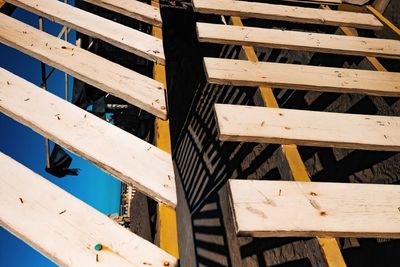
(301, 77)
(316, 1)
(126, 38)
(308, 128)
(287, 13)
(282, 39)
(65, 229)
(285, 208)
(117, 152)
(132, 8)
(126, 84)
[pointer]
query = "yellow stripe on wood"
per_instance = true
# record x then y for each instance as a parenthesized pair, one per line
(329, 246)
(384, 20)
(166, 224)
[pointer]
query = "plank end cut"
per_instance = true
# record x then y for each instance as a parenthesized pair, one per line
(65, 229)
(117, 152)
(309, 209)
(308, 128)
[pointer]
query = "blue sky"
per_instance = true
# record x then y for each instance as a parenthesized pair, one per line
(93, 186)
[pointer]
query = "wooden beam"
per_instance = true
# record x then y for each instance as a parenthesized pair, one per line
(167, 229)
(126, 84)
(308, 128)
(287, 13)
(126, 38)
(134, 9)
(117, 152)
(329, 246)
(323, 79)
(1, 3)
(65, 229)
(384, 20)
(286, 208)
(314, 42)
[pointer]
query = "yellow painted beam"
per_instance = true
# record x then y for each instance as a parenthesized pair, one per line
(384, 20)
(329, 246)
(2, 3)
(352, 32)
(166, 224)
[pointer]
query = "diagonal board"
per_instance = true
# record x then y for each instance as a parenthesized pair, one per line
(65, 229)
(287, 13)
(131, 8)
(305, 41)
(126, 38)
(286, 208)
(117, 152)
(126, 84)
(323, 79)
(308, 128)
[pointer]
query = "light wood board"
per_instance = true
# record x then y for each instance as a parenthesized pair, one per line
(305, 41)
(117, 152)
(132, 8)
(308, 128)
(126, 84)
(126, 38)
(302, 77)
(285, 208)
(287, 13)
(316, 1)
(65, 229)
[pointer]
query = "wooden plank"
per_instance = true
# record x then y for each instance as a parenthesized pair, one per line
(65, 229)
(133, 87)
(356, 2)
(314, 42)
(286, 208)
(301, 77)
(287, 13)
(308, 128)
(132, 8)
(126, 38)
(329, 246)
(316, 1)
(117, 152)
(167, 228)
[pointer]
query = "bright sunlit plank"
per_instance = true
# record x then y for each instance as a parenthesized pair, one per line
(117, 152)
(285, 208)
(65, 229)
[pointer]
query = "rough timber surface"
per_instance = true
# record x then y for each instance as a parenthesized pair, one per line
(308, 128)
(286, 208)
(65, 229)
(126, 38)
(124, 83)
(117, 152)
(287, 13)
(282, 39)
(301, 77)
(132, 8)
